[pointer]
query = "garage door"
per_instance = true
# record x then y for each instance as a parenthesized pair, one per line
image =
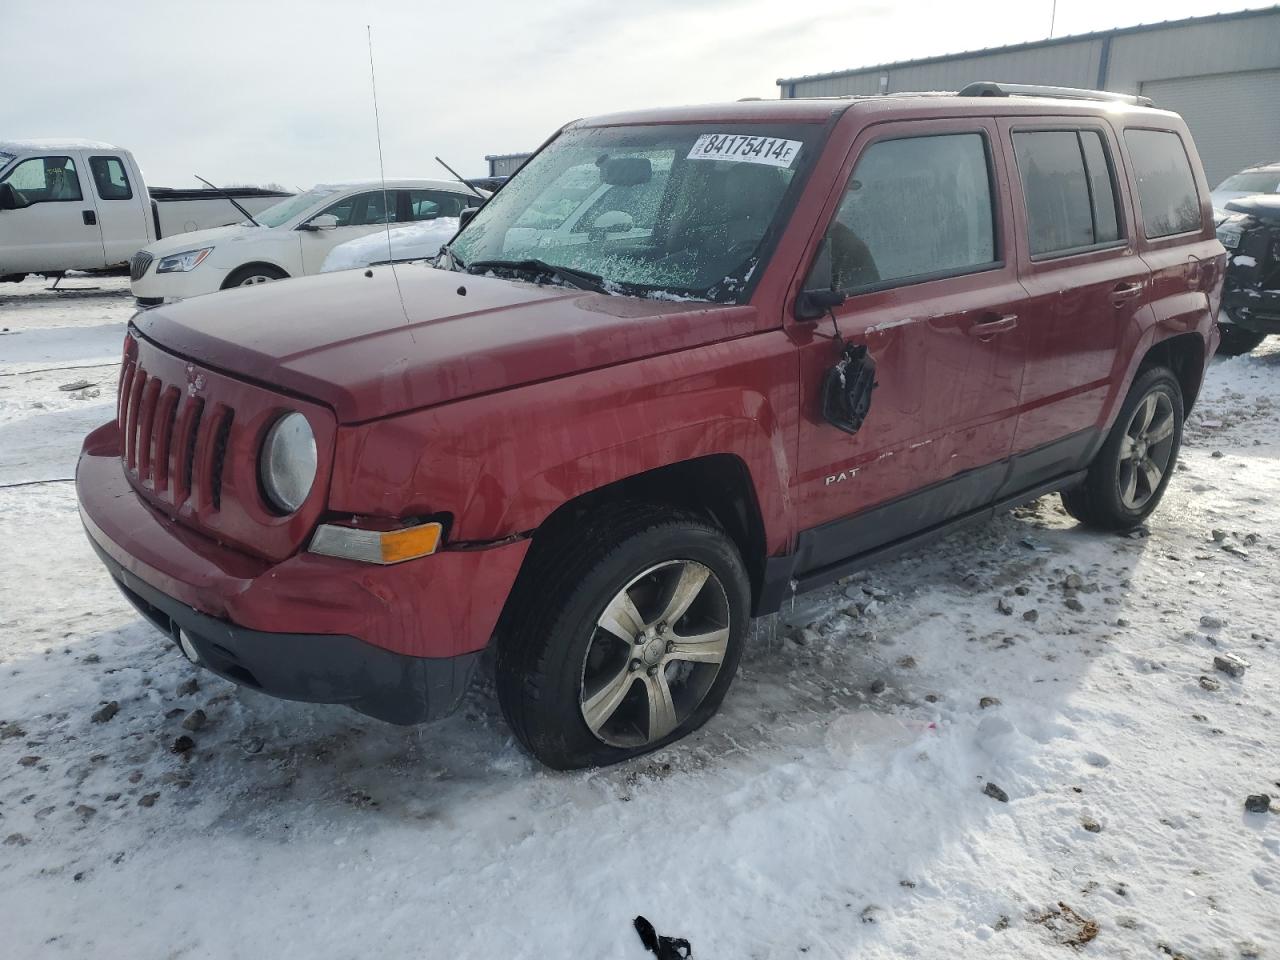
(1234, 117)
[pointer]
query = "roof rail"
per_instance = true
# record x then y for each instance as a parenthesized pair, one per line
(992, 88)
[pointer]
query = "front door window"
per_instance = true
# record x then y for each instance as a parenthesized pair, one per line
(44, 180)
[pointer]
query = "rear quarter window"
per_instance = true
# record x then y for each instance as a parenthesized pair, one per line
(1167, 193)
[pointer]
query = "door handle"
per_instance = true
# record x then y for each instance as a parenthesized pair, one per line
(991, 324)
(1125, 291)
(89, 217)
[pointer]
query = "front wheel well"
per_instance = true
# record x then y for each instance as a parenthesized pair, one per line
(236, 276)
(1184, 355)
(717, 487)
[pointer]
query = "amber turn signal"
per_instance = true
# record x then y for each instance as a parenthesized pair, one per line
(377, 546)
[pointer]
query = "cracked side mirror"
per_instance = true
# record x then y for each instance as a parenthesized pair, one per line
(847, 387)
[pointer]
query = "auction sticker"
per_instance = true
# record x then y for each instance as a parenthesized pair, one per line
(743, 149)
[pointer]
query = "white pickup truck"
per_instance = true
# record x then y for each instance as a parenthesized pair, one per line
(83, 205)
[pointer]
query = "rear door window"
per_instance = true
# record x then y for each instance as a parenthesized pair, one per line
(915, 209)
(110, 178)
(1166, 186)
(1068, 187)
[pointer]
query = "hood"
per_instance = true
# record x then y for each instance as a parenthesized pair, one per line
(344, 340)
(1220, 198)
(180, 242)
(1264, 206)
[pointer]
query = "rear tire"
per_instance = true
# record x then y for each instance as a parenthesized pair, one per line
(644, 682)
(1237, 340)
(252, 274)
(1130, 473)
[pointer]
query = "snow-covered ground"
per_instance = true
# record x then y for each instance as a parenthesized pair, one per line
(834, 809)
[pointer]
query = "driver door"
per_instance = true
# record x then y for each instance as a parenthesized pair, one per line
(357, 216)
(55, 225)
(919, 246)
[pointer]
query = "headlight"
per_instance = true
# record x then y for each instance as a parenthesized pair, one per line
(182, 262)
(288, 462)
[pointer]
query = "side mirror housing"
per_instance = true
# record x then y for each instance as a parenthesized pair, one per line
(325, 221)
(847, 388)
(614, 221)
(819, 294)
(7, 200)
(466, 216)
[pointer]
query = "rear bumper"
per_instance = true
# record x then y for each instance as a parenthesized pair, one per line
(299, 626)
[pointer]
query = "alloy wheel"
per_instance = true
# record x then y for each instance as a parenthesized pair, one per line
(1146, 450)
(654, 654)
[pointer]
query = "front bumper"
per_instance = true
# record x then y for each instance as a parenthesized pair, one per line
(1255, 310)
(317, 668)
(395, 642)
(152, 289)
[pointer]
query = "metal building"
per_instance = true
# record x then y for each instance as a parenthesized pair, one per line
(1221, 72)
(505, 164)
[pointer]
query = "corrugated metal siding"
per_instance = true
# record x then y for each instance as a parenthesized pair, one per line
(1196, 50)
(1243, 43)
(1234, 117)
(856, 85)
(1068, 65)
(506, 165)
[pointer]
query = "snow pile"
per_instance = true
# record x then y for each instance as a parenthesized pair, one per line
(1011, 743)
(415, 241)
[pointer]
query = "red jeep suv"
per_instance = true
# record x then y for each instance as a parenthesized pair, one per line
(685, 363)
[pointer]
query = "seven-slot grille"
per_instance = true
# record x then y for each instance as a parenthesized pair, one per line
(174, 442)
(138, 265)
(190, 443)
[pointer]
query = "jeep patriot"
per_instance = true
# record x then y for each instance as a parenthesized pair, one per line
(685, 363)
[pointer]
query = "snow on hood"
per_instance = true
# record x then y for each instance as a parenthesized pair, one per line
(415, 241)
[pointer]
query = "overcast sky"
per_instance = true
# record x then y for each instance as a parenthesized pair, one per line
(251, 92)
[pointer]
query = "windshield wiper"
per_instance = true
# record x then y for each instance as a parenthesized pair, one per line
(451, 260)
(577, 278)
(229, 197)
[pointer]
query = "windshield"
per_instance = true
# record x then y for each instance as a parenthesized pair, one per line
(1260, 182)
(676, 210)
(290, 207)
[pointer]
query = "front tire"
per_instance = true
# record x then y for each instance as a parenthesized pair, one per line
(1130, 473)
(253, 274)
(623, 635)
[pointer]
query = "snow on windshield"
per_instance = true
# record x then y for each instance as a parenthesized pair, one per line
(417, 241)
(683, 210)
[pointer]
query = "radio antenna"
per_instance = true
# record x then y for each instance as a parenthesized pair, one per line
(382, 173)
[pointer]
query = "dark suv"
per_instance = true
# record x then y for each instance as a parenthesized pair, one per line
(1250, 231)
(685, 363)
